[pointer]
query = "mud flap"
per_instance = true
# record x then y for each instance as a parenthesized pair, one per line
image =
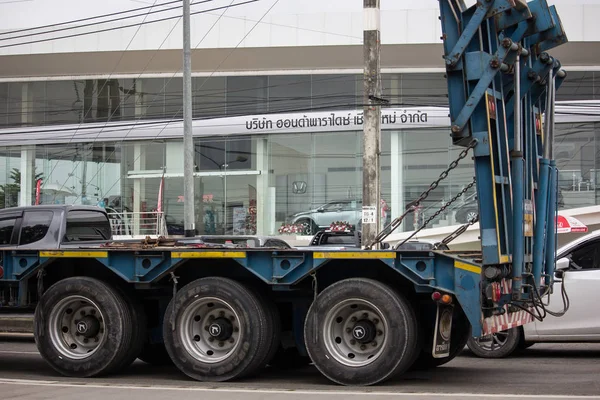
(443, 330)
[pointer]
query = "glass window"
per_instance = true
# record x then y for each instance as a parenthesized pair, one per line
(221, 154)
(210, 97)
(6, 230)
(246, 95)
(415, 89)
(152, 92)
(86, 226)
(336, 92)
(291, 162)
(35, 226)
(575, 151)
(289, 93)
(15, 107)
(64, 102)
(4, 104)
(579, 85)
(586, 257)
(174, 98)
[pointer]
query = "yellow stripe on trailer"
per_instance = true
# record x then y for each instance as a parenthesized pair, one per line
(208, 254)
(467, 267)
(73, 254)
(354, 255)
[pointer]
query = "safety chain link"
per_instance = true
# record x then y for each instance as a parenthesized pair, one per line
(412, 206)
(438, 212)
(462, 229)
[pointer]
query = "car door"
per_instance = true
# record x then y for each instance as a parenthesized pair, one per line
(582, 285)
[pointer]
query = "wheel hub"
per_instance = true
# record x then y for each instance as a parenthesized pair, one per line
(364, 331)
(88, 326)
(221, 329)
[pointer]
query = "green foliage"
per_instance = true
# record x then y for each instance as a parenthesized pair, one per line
(9, 193)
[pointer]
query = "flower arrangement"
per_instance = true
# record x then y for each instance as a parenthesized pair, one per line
(341, 226)
(289, 229)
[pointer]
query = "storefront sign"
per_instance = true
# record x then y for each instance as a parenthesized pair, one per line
(350, 120)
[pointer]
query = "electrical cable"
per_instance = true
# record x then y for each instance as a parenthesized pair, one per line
(216, 69)
(124, 26)
(104, 22)
(86, 19)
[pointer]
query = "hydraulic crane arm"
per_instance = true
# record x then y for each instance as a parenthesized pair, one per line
(501, 80)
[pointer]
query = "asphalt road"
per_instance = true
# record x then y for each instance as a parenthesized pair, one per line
(549, 371)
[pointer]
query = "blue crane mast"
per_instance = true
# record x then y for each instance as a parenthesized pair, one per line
(501, 82)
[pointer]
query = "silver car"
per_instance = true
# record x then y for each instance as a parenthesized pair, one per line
(580, 262)
(323, 216)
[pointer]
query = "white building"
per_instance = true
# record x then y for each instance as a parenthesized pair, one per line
(95, 110)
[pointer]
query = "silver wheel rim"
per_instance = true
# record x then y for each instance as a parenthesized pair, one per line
(342, 332)
(198, 332)
(77, 327)
(492, 342)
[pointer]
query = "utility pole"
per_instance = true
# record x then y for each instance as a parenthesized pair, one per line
(189, 220)
(372, 121)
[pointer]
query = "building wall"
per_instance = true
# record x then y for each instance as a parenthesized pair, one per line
(288, 23)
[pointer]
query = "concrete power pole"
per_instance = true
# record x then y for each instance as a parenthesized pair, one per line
(372, 122)
(189, 219)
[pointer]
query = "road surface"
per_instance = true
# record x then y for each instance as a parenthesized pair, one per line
(545, 371)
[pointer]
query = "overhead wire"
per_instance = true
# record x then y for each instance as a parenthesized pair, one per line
(122, 18)
(11, 32)
(122, 27)
(216, 69)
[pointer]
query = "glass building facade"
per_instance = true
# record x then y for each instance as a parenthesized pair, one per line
(249, 182)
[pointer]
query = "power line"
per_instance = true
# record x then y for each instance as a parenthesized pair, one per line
(103, 22)
(86, 19)
(220, 64)
(164, 41)
(124, 26)
(201, 40)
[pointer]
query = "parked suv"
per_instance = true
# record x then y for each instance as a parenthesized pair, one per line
(322, 217)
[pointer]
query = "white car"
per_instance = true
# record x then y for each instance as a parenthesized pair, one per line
(580, 261)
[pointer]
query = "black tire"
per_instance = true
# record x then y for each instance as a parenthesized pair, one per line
(311, 227)
(155, 354)
(114, 328)
(462, 216)
(250, 345)
(461, 332)
(505, 344)
(139, 321)
(273, 325)
(387, 344)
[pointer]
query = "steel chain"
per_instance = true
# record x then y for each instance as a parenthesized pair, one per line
(438, 212)
(462, 229)
(411, 207)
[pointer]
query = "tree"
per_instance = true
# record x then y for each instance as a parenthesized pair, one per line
(9, 193)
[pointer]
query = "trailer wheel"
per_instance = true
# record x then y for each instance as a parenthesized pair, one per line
(139, 323)
(273, 325)
(361, 332)
(216, 330)
(83, 327)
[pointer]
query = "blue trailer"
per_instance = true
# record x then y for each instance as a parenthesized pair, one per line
(221, 311)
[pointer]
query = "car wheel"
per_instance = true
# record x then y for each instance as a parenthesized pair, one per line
(310, 228)
(464, 216)
(497, 345)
